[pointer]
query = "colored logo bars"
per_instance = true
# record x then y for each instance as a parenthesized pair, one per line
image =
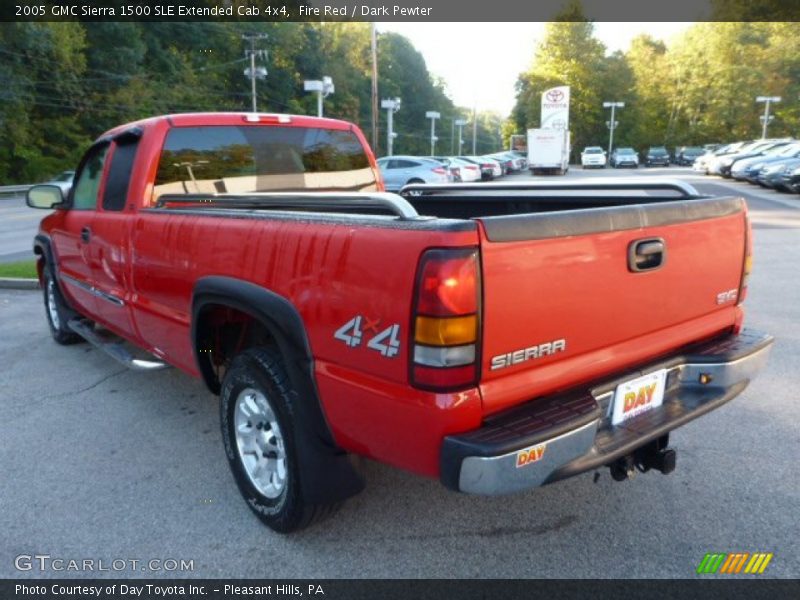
(734, 563)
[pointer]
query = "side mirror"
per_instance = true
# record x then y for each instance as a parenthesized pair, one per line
(44, 196)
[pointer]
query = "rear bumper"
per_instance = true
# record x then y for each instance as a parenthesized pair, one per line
(560, 436)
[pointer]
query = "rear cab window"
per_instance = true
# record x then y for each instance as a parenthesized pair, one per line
(257, 158)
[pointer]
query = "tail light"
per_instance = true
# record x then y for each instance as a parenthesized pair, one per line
(486, 166)
(439, 170)
(446, 320)
(747, 263)
(473, 167)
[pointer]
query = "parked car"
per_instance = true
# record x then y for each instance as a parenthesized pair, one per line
(791, 181)
(490, 168)
(722, 165)
(656, 155)
(521, 155)
(467, 171)
(772, 175)
(517, 162)
(624, 157)
(686, 155)
(414, 332)
(703, 163)
(506, 162)
(398, 171)
(749, 168)
(593, 156)
(63, 180)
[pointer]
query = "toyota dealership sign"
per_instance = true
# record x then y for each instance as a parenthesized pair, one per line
(555, 108)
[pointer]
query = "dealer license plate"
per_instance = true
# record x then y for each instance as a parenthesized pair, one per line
(638, 396)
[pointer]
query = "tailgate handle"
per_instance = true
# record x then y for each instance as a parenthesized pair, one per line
(646, 255)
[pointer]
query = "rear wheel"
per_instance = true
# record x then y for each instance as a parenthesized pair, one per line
(258, 434)
(58, 312)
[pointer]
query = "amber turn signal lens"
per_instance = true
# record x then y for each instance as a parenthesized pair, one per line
(446, 331)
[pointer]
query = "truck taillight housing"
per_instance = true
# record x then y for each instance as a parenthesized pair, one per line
(747, 264)
(446, 320)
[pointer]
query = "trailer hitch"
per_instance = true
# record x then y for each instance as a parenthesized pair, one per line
(654, 455)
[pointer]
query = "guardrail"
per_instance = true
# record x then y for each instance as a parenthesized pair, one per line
(14, 190)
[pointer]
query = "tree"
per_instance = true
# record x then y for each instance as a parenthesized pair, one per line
(568, 55)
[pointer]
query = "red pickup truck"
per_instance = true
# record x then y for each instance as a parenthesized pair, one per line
(496, 336)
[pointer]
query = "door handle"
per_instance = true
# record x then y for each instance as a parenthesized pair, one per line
(647, 254)
(86, 234)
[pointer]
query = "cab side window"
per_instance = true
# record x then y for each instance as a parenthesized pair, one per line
(87, 182)
(119, 174)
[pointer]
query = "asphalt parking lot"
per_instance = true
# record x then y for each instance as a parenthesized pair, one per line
(103, 463)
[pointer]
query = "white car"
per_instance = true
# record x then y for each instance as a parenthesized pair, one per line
(467, 171)
(593, 156)
(63, 180)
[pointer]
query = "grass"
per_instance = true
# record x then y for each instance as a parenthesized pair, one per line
(25, 269)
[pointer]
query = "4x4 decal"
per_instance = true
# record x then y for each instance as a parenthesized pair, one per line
(385, 341)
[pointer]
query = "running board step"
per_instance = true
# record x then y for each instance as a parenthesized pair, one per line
(115, 348)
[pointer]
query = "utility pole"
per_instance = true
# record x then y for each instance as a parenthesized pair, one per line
(766, 118)
(392, 105)
(324, 88)
(460, 124)
(374, 50)
(433, 115)
(252, 72)
(612, 124)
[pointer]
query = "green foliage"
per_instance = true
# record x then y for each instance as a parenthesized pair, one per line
(63, 84)
(700, 89)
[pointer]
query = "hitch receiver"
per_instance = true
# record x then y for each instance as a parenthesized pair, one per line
(654, 455)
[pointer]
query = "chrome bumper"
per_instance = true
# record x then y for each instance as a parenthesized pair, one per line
(553, 438)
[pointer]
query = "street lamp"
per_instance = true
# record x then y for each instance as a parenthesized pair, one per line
(767, 100)
(612, 123)
(433, 115)
(392, 105)
(460, 124)
(324, 88)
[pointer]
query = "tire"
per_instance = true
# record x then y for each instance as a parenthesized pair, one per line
(57, 311)
(257, 419)
(414, 181)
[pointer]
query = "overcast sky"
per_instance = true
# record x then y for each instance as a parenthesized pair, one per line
(481, 61)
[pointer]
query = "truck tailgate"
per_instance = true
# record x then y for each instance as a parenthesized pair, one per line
(562, 304)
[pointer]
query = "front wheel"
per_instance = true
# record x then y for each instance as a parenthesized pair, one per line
(259, 440)
(58, 312)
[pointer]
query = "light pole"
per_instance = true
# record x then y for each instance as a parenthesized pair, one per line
(612, 124)
(767, 100)
(474, 129)
(460, 124)
(433, 115)
(324, 88)
(392, 105)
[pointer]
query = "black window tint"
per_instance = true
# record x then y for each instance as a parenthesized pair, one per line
(87, 183)
(243, 159)
(119, 174)
(405, 164)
